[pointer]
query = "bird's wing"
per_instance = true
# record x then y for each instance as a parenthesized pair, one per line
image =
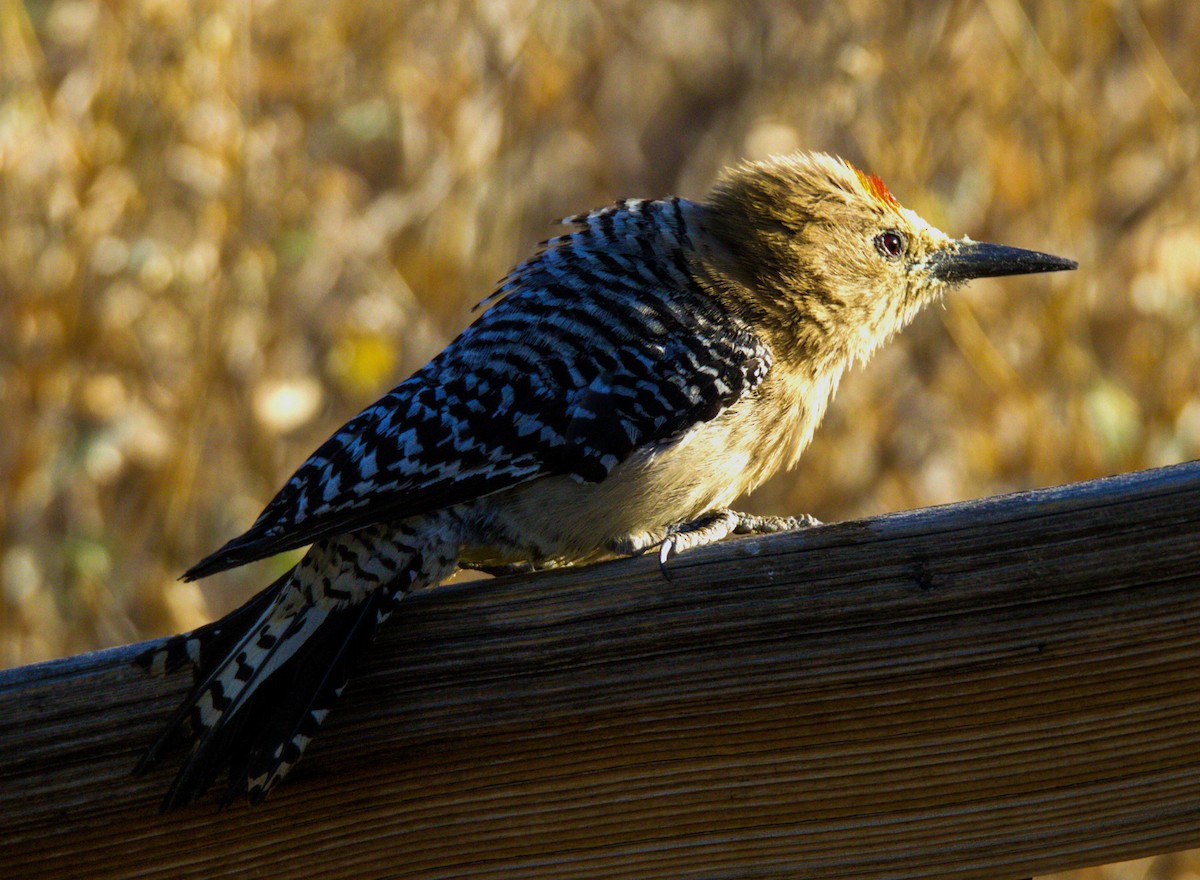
(686, 382)
(585, 360)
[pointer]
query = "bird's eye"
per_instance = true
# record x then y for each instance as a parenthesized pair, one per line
(890, 244)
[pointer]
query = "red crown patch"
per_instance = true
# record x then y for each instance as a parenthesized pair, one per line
(877, 188)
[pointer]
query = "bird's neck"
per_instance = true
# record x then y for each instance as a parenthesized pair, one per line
(794, 323)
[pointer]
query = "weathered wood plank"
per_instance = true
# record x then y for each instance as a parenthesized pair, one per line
(987, 690)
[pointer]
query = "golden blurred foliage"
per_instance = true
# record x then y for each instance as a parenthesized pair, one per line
(225, 226)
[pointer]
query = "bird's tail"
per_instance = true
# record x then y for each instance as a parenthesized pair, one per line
(266, 676)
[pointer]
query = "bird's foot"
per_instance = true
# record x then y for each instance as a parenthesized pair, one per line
(637, 543)
(718, 524)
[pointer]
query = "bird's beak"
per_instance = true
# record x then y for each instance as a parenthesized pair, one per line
(964, 260)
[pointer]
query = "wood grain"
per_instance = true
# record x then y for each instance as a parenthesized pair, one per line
(986, 690)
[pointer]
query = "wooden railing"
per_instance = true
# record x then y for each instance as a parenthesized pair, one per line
(994, 689)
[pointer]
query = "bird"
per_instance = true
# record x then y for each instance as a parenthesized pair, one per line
(618, 391)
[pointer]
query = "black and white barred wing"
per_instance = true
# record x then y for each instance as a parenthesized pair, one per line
(407, 454)
(670, 391)
(603, 343)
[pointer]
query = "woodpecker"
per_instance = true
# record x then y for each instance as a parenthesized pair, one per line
(621, 388)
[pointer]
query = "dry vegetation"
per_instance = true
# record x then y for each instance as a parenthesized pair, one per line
(226, 226)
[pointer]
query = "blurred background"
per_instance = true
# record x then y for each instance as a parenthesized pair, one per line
(227, 226)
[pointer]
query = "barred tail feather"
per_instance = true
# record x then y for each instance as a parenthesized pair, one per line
(223, 703)
(268, 674)
(266, 677)
(233, 659)
(202, 648)
(316, 677)
(207, 649)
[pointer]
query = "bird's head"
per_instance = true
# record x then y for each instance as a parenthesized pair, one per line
(828, 251)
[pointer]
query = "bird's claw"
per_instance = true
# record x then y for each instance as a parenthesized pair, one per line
(665, 549)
